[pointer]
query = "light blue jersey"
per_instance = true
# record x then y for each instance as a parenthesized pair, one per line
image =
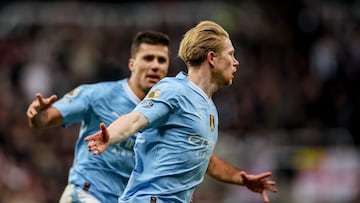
(103, 176)
(172, 154)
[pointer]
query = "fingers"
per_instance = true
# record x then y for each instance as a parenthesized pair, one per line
(40, 99)
(52, 99)
(31, 112)
(271, 188)
(265, 197)
(90, 138)
(93, 137)
(95, 140)
(38, 96)
(96, 152)
(270, 182)
(259, 177)
(264, 175)
(33, 109)
(269, 185)
(39, 104)
(259, 183)
(45, 101)
(93, 148)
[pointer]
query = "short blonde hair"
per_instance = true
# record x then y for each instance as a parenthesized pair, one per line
(198, 41)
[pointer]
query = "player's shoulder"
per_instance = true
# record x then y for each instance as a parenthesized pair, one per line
(169, 84)
(176, 81)
(108, 83)
(104, 85)
(102, 88)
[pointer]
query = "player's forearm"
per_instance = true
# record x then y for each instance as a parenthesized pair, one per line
(125, 126)
(223, 171)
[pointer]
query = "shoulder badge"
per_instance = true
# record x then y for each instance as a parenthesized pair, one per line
(74, 92)
(154, 94)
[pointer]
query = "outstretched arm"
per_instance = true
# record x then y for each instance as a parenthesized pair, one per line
(225, 172)
(121, 129)
(40, 114)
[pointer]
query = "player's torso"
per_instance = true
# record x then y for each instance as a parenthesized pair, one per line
(102, 102)
(180, 148)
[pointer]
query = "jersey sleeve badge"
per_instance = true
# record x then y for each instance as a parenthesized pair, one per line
(154, 94)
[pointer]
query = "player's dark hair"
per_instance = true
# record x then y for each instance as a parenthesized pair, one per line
(148, 37)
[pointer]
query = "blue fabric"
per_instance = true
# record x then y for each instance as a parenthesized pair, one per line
(91, 104)
(172, 153)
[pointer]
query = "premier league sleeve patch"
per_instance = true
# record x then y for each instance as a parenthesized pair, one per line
(154, 94)
(73, 93)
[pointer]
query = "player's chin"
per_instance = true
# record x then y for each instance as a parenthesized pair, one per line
(228, 82)
(149, 85)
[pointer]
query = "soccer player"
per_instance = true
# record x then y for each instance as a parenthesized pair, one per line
(178, 126)
(101, 179)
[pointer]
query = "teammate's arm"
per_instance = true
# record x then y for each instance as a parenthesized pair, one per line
(121, 129)
(225, 172)
(40, 114)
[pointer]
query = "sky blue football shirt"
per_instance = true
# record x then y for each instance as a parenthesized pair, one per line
(91, 104)
(173, 152)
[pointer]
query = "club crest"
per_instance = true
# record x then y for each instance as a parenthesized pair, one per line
(212, 123)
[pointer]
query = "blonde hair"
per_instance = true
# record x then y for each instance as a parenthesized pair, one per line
(199, 40)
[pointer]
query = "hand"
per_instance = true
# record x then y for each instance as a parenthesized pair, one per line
(258, 183)
(99, 141)
(39, 104)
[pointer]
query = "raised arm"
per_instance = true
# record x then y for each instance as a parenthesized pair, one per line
(40, 114)
(120, 130)
(225, 172)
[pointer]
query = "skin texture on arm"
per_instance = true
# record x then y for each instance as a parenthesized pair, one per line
(40, 114)
(121, 129)
(225, 172)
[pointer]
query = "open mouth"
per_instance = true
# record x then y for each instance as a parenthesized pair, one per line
(153, 78)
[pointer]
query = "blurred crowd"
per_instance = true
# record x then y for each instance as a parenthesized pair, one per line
(294, 106)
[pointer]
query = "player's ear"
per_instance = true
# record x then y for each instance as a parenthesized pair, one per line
(131, 64)
(210, 57)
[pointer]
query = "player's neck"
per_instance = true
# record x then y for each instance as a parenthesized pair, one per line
(136, 89)
(201, 77)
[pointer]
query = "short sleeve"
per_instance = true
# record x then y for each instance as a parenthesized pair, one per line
(160, 102)
(74, 105)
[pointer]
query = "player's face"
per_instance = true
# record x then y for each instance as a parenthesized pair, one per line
(150, 65)
(226, 64)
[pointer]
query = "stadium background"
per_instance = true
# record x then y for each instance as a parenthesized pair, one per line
(293, 108)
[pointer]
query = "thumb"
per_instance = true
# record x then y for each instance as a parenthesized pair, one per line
(102, 127)
(105, 134)
(243, 175)
(91, 137)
